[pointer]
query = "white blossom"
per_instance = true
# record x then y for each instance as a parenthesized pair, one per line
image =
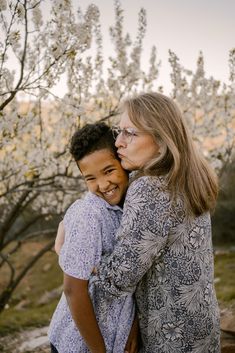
(3, 5)
(37, 17)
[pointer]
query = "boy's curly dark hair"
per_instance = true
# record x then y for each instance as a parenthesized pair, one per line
(91, 138)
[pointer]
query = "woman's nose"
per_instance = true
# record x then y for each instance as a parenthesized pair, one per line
(120, 142)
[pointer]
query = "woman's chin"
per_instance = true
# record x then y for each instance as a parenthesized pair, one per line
(127, 165)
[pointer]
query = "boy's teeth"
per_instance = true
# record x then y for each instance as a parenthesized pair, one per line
(110, 192)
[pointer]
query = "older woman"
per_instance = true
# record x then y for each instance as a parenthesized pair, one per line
(164, 249)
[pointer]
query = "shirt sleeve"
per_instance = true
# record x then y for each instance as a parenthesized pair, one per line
(82, 247)
(142, 237)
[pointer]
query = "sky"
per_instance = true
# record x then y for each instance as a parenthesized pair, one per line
(184, 26)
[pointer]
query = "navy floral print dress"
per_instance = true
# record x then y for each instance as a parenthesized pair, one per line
(166, 257)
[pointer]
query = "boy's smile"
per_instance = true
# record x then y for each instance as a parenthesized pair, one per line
(104, 176)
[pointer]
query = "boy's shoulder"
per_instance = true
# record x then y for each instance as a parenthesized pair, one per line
(90, 203)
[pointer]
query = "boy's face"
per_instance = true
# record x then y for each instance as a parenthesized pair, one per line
(104, 176)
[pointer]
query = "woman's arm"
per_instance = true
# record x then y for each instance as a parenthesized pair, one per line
(59, 240)
(147, 218)
(76, 292)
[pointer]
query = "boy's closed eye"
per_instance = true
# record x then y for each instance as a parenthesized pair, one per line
(109, 171)
(89, 179)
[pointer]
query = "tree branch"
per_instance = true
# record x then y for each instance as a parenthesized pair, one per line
(7, 292)
(22, 61)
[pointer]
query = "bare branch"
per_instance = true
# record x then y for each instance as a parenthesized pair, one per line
(12, 270)
(6, 294)
(22, 61)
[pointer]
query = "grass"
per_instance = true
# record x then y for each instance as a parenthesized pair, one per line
(46, 275)
(225, 279)
(14, 320)
(43, 277)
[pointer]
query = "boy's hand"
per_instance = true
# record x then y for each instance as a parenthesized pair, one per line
(132, 345)
(59, 240)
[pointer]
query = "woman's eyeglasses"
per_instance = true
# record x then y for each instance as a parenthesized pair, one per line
(127, 133)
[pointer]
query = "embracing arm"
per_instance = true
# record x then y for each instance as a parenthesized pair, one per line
(59, 240)
(76, 292)
(148, 216)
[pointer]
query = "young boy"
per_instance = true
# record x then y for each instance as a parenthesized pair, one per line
(87, 320)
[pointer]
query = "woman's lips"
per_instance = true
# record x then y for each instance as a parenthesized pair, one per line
(120, 155)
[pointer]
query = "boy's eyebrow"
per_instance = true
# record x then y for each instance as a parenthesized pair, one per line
(87, 176)
(103, 170)
(108, 166)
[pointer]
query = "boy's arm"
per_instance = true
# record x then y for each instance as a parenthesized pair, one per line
(133, 341)
(76, 292)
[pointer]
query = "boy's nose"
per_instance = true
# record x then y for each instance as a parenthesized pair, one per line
(103, 185)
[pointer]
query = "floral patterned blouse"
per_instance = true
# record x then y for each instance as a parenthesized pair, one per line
(166, 257)
(90, 232)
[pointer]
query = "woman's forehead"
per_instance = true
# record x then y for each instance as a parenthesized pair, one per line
(125, 120)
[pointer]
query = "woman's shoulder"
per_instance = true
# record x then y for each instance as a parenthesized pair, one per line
(148, 193)
(147, 181)
(146, 189)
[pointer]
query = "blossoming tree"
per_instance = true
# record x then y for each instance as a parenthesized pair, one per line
(38, 179)
(48, 41)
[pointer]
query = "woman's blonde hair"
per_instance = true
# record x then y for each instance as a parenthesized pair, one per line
(185, 168)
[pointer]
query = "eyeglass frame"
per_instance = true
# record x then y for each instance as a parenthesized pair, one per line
(127, 133)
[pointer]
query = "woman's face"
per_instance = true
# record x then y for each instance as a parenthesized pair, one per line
(135, 148)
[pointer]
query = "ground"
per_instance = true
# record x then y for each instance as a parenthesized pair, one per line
(27, 316)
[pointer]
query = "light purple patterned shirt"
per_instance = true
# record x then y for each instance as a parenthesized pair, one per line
(90, 227)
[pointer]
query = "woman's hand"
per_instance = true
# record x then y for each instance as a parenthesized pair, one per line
(59, 240)
(94, 271)
(133, 341)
